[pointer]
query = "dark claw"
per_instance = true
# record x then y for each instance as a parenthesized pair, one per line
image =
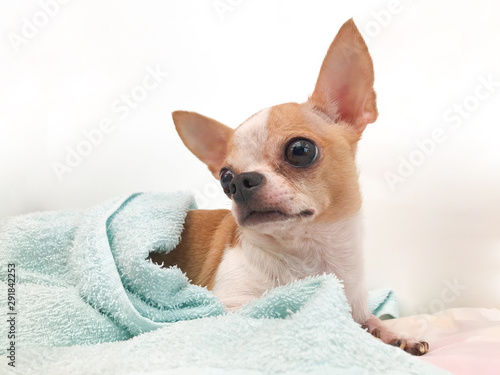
(414, 348)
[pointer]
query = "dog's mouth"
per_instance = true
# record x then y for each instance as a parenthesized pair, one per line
(254, 217)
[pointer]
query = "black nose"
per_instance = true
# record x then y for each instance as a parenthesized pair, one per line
(244, 185)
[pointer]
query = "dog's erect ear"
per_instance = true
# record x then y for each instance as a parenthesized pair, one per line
(344, 90)
(206, 138)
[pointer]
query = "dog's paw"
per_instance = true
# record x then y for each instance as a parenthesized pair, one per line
(377, 329)
(410, 346)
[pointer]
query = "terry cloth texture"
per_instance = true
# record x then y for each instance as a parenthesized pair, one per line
(84, 288)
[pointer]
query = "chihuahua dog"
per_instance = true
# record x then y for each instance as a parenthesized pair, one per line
(290, 172)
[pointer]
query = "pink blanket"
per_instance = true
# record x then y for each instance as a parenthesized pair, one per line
(463, 341)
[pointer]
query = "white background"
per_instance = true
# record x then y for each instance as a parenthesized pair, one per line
(437, 227)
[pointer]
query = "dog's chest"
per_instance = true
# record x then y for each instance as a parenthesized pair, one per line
(247, 270)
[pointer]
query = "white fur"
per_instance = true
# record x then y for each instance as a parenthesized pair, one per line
(262, 261)
(249, 138)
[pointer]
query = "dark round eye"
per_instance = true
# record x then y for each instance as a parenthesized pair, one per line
(225, 177)
(300, 152)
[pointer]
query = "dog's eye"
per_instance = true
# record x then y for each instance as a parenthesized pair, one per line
(301, 152)
(225, 177)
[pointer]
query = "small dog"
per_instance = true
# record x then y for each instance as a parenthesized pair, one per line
(290, 171)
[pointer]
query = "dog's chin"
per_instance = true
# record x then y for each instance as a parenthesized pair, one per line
(250, 217)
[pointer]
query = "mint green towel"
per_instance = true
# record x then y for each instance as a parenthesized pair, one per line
(82, 276)
(83, 283)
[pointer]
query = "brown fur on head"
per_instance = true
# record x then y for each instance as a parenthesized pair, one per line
(333, 118)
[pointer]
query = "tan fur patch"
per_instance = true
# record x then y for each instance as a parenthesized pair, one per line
(216, 228)
(332, 180)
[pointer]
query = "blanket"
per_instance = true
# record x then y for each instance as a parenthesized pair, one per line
(84, 290)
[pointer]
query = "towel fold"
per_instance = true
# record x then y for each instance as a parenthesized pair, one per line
(83, 277)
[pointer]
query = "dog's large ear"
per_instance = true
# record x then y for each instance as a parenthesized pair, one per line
(344, 90)
(206, 138)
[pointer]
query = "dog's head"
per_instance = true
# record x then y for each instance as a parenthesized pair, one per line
(294, 162)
